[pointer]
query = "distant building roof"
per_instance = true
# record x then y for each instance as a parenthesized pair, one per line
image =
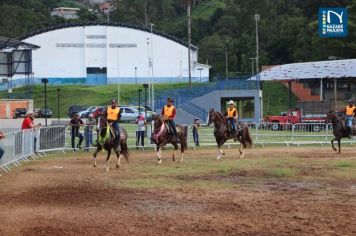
(311, 70)
(7, 43)
(67, 9)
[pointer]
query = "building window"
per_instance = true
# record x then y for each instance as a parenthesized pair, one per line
(96, 70)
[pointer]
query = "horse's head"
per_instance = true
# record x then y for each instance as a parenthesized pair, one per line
(158, 121)
(102, 125)
(212, 116)
(330, 116)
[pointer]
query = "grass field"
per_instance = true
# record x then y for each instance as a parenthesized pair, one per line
(280, 191)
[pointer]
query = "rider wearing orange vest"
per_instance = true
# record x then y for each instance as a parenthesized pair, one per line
(168, 114)
(113, 115)
(232, 116)
(349, 114)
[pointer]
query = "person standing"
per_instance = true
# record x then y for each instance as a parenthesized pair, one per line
(113, 116)
(196, 125)
(232, 116)
(350, 111)
(2, 136)
(168, 114)
(75, 124)
(140, 130)
(29, 123)
(88, 132)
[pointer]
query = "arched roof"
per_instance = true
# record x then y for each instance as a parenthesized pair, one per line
(115, 24)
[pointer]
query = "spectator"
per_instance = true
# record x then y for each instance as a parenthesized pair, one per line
(196, 125)
(88, 132)
(75, 124)
(140, 131)
(2, 136)
(29, 123)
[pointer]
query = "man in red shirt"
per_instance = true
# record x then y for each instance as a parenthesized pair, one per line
(28, 121)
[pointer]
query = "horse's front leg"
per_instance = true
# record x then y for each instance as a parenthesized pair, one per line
(98, 149)
(107, 160)
(332, 144)
(175, 145)
(118, 160)
(338, 143)
(242, 151)
(159, 154)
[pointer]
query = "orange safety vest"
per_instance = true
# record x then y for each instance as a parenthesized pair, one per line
(112, 114)
(168, 111)
(231, 111)
(350, 110)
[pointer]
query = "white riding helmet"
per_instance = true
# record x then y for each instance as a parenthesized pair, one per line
(231, 102)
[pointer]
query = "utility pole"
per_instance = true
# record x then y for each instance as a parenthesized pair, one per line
(152, 78)
(189, 3)
(257, 19)
(226, 65)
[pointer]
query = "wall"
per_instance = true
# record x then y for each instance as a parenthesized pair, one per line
(7, 107)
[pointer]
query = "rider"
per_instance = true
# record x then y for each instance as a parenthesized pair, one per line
(349, 114)
(113, 115)
(168, 114)
(232, 116)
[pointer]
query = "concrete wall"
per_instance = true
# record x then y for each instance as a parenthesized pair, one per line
(213, 100)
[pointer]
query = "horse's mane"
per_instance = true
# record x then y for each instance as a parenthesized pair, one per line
(221, 117)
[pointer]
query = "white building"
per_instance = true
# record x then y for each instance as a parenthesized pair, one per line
(66, 12)
(110, 54)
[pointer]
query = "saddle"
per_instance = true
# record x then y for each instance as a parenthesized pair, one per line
(114, 134)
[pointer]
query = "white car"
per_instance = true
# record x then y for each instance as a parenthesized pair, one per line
(128, 113)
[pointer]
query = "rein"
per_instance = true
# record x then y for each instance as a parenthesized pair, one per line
(104, 139)
(159, 133)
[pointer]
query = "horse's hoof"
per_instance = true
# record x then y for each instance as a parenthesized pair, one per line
(117, 166)
(159, 161)
(181, 161)
(223, 153)
(218, 157)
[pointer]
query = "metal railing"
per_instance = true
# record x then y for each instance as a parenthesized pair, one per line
(22, 146)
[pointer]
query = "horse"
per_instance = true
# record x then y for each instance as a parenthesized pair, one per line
(162, 135)
(222, 134)
(339, 128)
(106, 140)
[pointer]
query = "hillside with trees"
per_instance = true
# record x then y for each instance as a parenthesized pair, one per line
(287, 29)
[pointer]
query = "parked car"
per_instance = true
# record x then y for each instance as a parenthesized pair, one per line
(128, 113)
(72, 110)
(44, 113)
(85, 113)
(145, 109)
(19, 112)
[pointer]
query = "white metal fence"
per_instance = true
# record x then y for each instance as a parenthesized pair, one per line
(21, 146)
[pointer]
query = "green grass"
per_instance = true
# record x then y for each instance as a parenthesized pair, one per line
(282, 172)
(345, 164)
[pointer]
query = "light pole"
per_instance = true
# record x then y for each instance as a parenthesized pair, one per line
(152, 78)
(58, 90)
(189, 2)
(257, 19)
(252, 65)
(136, 74)
(139, 101)
(45, 81)
(145, 86)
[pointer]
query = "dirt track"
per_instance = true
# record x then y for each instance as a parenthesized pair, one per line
(77, 199)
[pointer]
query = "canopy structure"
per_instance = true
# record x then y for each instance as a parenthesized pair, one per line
(13, 44)
(311, 70)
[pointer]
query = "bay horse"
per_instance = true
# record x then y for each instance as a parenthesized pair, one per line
(339, 128)
(106, 140)
(222, 134)
(161, 136)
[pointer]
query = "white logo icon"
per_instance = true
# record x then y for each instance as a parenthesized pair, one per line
(336, 14)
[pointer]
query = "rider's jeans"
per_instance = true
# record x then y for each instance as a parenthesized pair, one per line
(116, 127)
(349, 121)
(232, 122)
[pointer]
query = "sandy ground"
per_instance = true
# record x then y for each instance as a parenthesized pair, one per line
(67, 196)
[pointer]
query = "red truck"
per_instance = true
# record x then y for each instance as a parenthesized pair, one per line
(296, 116)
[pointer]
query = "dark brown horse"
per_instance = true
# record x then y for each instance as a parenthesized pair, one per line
(106, 140)
(162, 136)
(222, 134)
(339, 128)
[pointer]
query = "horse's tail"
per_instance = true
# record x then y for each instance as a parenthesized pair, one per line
(125, 150)
(246, 136)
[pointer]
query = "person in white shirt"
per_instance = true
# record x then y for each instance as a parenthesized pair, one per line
(140, 130)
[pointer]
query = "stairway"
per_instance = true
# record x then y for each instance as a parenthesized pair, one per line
(303, 94)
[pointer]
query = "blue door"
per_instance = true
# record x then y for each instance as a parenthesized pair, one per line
(96, 76)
